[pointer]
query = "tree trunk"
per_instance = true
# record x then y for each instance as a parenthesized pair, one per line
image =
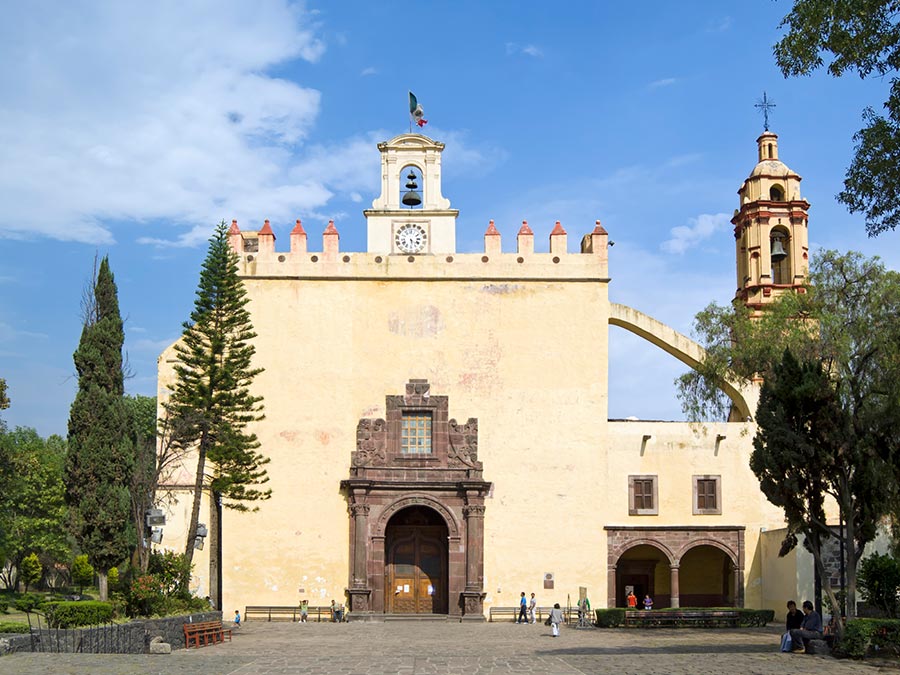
(850, 567)
(214, 552)
(103, 586)
(195, 507)
(816, 547)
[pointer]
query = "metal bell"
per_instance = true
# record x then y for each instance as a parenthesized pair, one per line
(411, 198)
(778, 252)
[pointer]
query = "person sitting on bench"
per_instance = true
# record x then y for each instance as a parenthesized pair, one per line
(810, 628)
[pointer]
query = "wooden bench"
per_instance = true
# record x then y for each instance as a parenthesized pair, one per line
(202, 633)
(718, 618)
(275, 613)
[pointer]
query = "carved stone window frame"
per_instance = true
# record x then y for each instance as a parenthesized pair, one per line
(654, 509)
(695, 495)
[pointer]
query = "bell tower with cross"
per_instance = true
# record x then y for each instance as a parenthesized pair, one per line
(411, 217)
(770, 227)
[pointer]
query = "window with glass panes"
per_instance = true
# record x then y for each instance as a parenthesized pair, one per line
(415, 436)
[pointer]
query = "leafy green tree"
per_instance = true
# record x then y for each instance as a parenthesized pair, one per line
(4, 398)
(844, 329)
(32, 501)
(211, 403)
(31, 570)
(805, 450)
(861, 36)
(879, 581)
(82, 572)
(101, 437)
(145, 476)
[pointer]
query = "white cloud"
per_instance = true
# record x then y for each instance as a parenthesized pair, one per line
(140, 112)
(719, 25)
(150, 346)
(513, 48)
(664, 82)
(700, 228)
(371, 70)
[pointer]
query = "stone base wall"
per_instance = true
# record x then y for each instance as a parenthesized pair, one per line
(130, 638)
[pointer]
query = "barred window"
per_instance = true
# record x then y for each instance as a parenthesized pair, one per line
(415, 436)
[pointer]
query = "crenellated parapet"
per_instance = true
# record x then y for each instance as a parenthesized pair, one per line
(259, 257)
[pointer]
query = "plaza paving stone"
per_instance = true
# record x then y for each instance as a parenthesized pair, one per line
(437, 648)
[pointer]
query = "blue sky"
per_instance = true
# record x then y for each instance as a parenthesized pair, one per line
(130, 129)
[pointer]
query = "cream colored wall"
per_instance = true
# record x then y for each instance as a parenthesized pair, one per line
(503, 347)
(675, 452)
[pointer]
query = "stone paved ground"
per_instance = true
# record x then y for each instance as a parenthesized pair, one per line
(455, 649)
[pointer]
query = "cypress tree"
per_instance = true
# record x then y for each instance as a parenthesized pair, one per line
(101, 443)
(211, 402)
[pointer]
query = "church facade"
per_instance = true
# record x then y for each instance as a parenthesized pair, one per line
(437, 421)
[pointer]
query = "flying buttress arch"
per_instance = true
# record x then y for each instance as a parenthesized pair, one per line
(681, 347)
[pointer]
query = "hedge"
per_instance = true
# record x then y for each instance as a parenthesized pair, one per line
(610, 618)
(13, 627)
(748, 618)
(83, 613)
(868, 637)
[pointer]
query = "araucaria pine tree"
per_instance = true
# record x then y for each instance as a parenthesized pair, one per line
(101, 446)
(211, 402)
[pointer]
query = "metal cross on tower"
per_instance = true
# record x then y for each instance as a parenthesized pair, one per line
(764, 104)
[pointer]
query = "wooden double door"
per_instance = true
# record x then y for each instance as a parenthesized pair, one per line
(416, 569)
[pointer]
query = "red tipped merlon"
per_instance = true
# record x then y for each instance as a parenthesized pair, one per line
(491, 229)
(525, 229)
(598, 228)
(234, 228)
(267, 229)
(331, 229)
(298, 228)
(558, 229)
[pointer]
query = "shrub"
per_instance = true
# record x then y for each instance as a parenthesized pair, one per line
(147, 596)
(112, 577)
(755, 617)
(610, 618)
(28, 602)
(82, 572)
(879, 581)
(170, 569)
(30, 570)
(4, 606)
(864, 637)
(85, 613)
(13, 627)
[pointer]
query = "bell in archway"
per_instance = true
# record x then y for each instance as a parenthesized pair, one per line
(778, 252)
(411, 197)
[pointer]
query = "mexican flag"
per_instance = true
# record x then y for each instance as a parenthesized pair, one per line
(416, 113)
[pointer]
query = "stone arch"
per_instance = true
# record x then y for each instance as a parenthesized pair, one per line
(681, 347)
(694, 543)
(615, 554)
(416, 499)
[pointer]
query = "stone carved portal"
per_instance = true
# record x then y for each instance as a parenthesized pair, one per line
(417, 519)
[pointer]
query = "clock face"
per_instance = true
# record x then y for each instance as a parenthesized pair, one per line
(411, 238)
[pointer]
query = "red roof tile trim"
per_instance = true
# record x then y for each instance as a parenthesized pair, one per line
(558, 229)
(492, 230)
(267, 229)
(298, 228)
(525, 229)
(331, 229)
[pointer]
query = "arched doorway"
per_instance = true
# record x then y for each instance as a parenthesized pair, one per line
(416, 557)
(707, 578)
(643, 569)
